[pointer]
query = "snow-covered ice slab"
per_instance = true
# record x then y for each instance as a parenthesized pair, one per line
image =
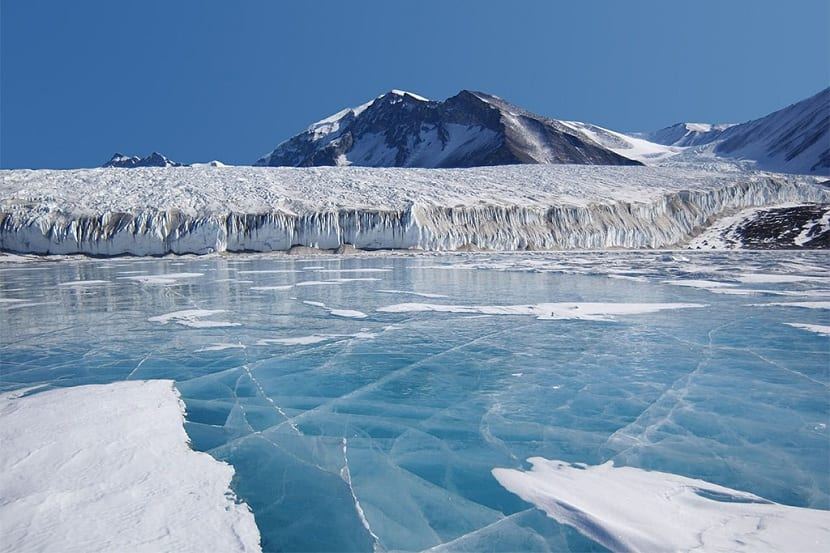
(628, 509)
(108, 468)
(155, 211)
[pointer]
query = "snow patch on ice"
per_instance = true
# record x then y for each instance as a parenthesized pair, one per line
(166, 279)
(704, 284)
(630, 509)
(315, 339)
(347, 313)
(818, 329)
(763, 278)
(192, 318)
(272, 288)
(83, 283)
(410, 293)
(108, 468)
(220, 347)
(802, 304)
(575, 311)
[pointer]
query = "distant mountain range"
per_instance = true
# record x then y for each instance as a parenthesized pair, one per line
(470, 129)
(795, 139)
(153, 160)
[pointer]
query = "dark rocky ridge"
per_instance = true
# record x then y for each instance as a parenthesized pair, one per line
(776, 229)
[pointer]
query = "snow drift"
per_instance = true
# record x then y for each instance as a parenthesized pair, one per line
(155, 211)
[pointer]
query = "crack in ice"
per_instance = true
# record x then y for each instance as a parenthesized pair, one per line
(374, 385)
(346, 475)
(676, 393)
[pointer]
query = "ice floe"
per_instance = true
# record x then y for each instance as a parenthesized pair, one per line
(628, 509)
(108, 468)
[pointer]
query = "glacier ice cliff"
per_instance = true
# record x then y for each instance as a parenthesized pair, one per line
(155, 211)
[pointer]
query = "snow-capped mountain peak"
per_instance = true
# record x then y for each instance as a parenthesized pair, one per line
(685, 134)
(402, 129)
(404, 93)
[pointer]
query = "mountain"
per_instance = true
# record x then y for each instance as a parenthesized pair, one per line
(795, 139)
(470, 129)
(153, 160)
(687, 134)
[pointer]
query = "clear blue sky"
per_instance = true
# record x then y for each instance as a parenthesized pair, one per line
(221, 79)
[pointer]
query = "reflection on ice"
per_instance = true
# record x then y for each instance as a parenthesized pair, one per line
(429, 397)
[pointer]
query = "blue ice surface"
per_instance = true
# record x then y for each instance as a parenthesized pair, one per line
(349, 434)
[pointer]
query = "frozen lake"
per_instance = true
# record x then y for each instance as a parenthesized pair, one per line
(364, 401)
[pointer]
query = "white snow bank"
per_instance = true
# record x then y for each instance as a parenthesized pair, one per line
(108, 468)
(628, 509)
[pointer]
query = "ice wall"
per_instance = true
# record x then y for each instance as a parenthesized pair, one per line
(555, 216)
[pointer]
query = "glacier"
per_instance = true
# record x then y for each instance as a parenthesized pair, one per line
(199, 210)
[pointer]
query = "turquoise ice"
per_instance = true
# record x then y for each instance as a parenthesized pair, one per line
(364, 400)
